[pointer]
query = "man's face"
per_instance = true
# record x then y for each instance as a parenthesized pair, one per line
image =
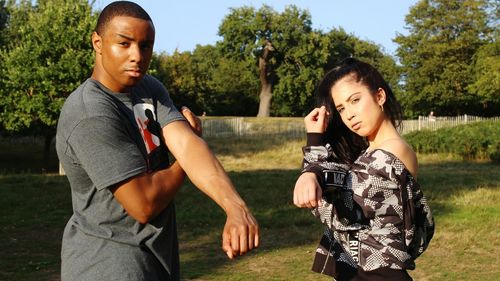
(123, 52)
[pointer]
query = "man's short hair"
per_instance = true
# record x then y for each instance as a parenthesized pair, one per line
(117, 9)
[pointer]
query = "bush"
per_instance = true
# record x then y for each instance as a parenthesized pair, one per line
(479, 140)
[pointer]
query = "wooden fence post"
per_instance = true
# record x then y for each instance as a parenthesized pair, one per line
(61, 170)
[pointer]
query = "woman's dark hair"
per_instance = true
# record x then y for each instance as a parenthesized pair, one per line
(117, 9)
(346, 144)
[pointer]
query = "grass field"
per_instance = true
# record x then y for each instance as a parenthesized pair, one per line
(465, 197)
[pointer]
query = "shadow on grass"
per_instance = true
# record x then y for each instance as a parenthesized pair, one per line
(445, 179)
(35, 209)
(269, 196)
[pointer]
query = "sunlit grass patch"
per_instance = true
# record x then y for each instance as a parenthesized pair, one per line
(463, 195)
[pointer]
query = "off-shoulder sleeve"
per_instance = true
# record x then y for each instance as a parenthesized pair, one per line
(372, 188)
(375, 185)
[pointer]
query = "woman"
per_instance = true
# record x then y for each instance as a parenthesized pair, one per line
(359, 178)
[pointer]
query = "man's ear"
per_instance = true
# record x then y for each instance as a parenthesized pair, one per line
(96, 42)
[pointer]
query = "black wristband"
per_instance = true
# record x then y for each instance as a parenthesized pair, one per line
(315, 139)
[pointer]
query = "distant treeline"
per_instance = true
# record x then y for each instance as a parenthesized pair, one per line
(267, 63)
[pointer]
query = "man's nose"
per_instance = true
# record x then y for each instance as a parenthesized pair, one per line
(135, 53)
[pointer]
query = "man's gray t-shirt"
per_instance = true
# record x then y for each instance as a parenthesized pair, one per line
(104, 138)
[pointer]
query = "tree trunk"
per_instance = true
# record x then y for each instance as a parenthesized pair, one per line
(265, 101)
(266, 85)
(46, 152)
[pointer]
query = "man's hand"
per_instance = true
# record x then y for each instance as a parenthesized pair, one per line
(317, 120)
(307, 192)
(193, 120)
(241, 232)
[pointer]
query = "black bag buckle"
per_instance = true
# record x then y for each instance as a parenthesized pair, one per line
(333, 180)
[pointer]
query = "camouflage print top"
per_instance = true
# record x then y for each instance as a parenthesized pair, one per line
(376, 214)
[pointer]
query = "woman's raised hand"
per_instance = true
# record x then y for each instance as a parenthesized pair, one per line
(317, 120)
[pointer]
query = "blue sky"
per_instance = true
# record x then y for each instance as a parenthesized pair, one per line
(183, 24)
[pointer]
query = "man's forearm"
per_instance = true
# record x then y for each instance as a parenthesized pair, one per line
(206, 172)
(169, 181)
(201, 165)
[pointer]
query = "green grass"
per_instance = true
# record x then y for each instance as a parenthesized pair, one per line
(34, 211)
(464, 197)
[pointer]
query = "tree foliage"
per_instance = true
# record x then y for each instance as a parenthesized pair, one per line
(207, 82)
(486, 76)
(47, 56)
(177, 73)
(229, 85)
(438, 56)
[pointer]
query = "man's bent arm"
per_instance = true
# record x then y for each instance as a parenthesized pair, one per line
(146, 195)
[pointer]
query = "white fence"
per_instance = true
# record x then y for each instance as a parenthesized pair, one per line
(252, 126)
(434, 123)
(294, 127)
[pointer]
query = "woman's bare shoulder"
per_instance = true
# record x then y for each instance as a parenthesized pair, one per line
(404, 152)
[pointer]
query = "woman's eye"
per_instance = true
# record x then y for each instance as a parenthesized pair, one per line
(355, 100)
(124, 43)
(340, 109)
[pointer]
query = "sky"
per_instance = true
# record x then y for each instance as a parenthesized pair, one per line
(182, 24)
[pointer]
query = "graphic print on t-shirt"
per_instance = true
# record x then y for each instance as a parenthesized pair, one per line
(151, 132)
(146, 120)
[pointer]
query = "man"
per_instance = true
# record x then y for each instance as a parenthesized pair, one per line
(112, 139)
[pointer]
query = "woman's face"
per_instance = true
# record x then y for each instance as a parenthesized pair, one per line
(359, 108)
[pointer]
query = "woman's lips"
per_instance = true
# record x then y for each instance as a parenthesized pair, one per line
(356, 126)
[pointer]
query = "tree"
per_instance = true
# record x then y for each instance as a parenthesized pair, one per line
(47, 56)
(437, 55)
(269, 39)
(4, 15)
